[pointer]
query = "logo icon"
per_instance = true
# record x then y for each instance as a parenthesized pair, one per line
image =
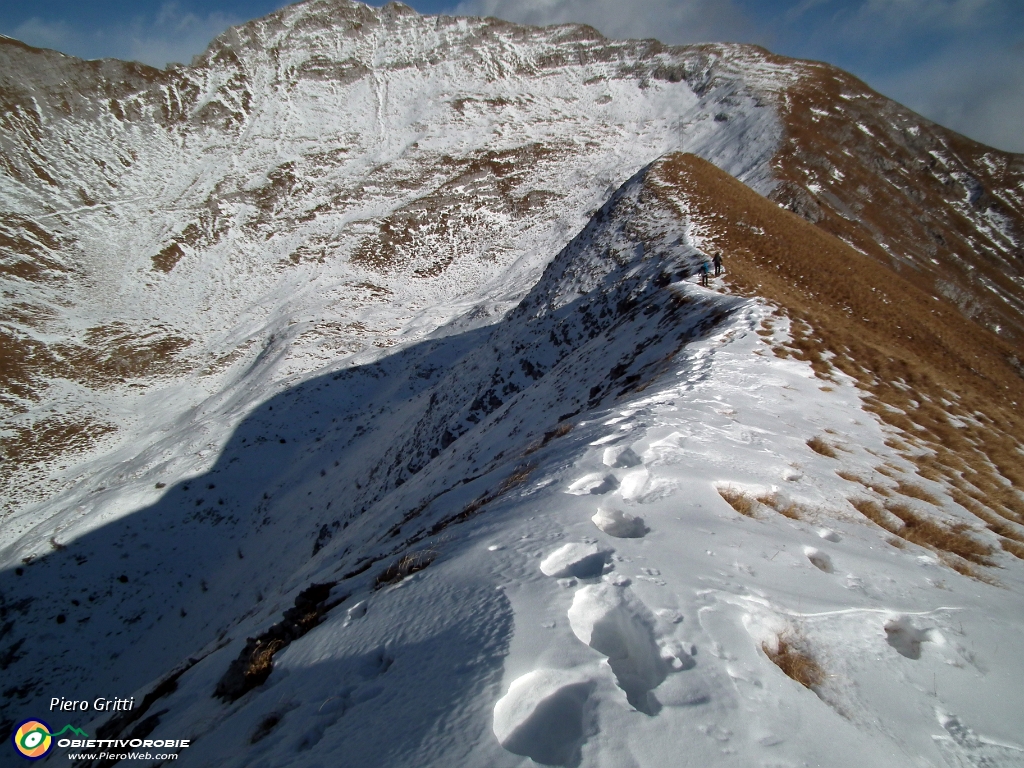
(32, 739)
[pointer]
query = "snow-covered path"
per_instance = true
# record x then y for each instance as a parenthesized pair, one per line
(615, 610)
(593, 533)
(907, 647)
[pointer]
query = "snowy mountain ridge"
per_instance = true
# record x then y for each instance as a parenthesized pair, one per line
(414, 438)
(276, 227)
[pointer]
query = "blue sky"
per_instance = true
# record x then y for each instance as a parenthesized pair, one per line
(958, 62)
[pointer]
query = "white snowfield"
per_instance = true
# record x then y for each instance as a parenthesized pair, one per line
(502, 541)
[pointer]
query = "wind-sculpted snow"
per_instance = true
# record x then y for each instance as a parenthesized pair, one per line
(619, 524)
(543, 716)
(576, 559)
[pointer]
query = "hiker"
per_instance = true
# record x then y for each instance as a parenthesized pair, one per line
(718, 263)
(704, 271)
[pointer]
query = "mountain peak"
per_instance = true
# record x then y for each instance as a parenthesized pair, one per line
(382, 363)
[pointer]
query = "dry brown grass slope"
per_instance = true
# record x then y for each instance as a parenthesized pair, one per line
(941, 381)
(945, 212)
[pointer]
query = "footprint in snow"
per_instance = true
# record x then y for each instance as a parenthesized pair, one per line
(819, 559)
(357, 611)
(614, 622)
(620, 457)
(902, 635)
(641, 487)
(963, 748)
(667, 451)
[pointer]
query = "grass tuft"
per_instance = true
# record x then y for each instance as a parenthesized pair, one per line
(953, 539)
(873, 512)
(915, 491)
(519, 476)
(1013, 547)
(792, 510)
(822, 447)
(964, 568)
(902, 521)
(255, 662)
(789, 509)
(738, 500)
(561, 430)
(405, 567)
(262, 659)
(790, 655)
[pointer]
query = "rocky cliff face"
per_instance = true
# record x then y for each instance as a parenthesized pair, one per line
(941, 210)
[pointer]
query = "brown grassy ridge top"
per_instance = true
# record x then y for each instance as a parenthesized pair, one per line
(855, 302)
(928, 371)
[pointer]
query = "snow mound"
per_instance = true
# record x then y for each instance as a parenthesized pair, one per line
(584, 561)
(614, 622)
(619, 524)
(641, 487)
(595, 483)
(543, 715)
(621, 457)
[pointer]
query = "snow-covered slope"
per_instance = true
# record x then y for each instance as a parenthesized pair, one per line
(330, 179)
(513, 543)
(362, 407)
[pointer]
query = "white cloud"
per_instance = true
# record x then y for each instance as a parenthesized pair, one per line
(978, 94)
(671, 21)
(803, 7)
(173, 35)
(890, 15)
(43, 34)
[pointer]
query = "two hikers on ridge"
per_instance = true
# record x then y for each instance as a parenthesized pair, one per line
(705, 269)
